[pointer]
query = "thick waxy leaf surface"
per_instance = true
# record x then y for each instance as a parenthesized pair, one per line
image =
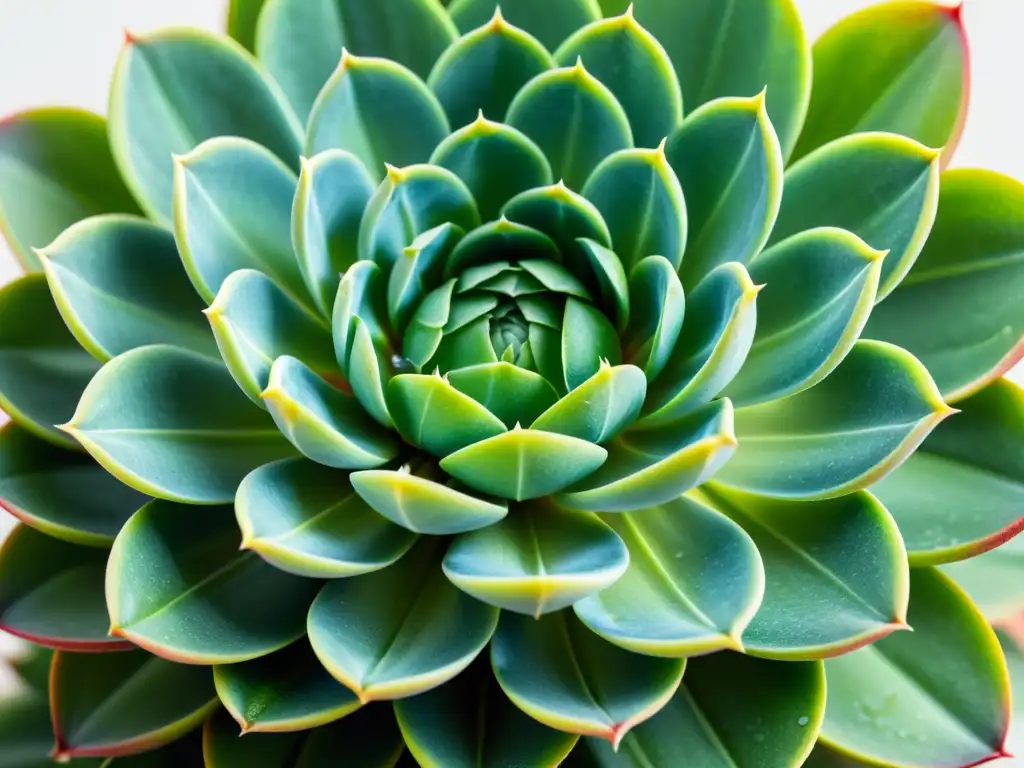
(560, 673)
(564, 216)
(818, 443)
(962, 492)
(400, 631)
(913, 79)
(417, 271)
(51, 593)
(43, 370)
(513, 394)
(737, 49)
(840, 560)
(283, 692)
(693, 583)
(103, 705)
(574, 119)
(820, 288)
(646, 467)
(174, 425)
(656, 318)
(973, 267)
(301, 41)
(537, 560)
(727, 158)
(588, 342)
(379, 111)
(881, 187)
(306, 519)
(774, 722)
(993, 580)
(119, 284)
(243, 16)
(178, 586)
(599, 408)
(62, 493)
(550, 23)
(470, 723)
(937, 696)
(174, 89)
(55, 169)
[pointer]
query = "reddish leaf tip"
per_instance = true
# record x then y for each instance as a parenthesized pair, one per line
(130, 38)
(955, 12)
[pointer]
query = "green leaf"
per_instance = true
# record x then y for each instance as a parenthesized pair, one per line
(469, 722)
(774, 722)
(841, 559)
(379, 111)
(174, 425)
(993, 580)
(727, 158)
(420, 269)
(538, 560)
(973, 267)
(103, 704)
(301, 41)
(609, 279)
(501, 241)
(937, 696)
(484, 70)
(425, 332)
(283, 692)
(693, 584)
(324, 423)
(573, 118)
(513, 394)
(400, 631)
(550, 23)
(708, 354)
(564, 216)
(737, 48)
(61, 493)
(631, 62)
(51, 593)
(913, 80)
(175, 88)
(243, 16)
(650, 466)
(361, 299)
(599, 408)
(334, 190)
(560, 673)
(497, 162)
(524, 463)
(842, 435)
(588, 342)
(882, 188)
(43, 371)
(26, 735)
(821, 287)
(306, 519)
(178, 586)
(656, 318)
(55, 169)
(370, 368)
(108, 302)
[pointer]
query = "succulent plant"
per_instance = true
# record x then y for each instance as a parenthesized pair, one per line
(552, 383)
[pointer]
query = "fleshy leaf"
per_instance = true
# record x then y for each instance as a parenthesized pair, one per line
(501, 241)
(693, 584)
(588, 342)
(656, 315)
(816, 444)
(599, 408)
(178, 586)
(306, 519)
(243, 16)
(513, 394)
(562, 215)
(560, 673)
(26, 731)
(609, 279)
(993, 580)
(361, 300)
(418, 270)
(55, 169)
(399, 631)
(550, 23)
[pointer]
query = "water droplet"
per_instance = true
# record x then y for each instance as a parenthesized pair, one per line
(803, 721)
(402, 365)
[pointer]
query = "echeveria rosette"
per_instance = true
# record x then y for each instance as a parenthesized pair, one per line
(569, 382)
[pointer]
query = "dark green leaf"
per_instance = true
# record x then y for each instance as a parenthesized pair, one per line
(26, 734)
(656, 317)
(514, 395)
(608, 277)
(588, 342)
(550, 23)
(243, 16)
(500, 241)
(562, 215)
(418, 270)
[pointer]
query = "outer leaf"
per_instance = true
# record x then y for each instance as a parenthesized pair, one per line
(165, 100)
(842, 558)
(559, 672)
(379, 111)
(993, 580)
(693, 584)
(914, 79)
(61, 493)
(937, 696)
(538, 560)
(881, 187)
(301, 41)
(599, 408)
(550, 23)
(55, 169)
(844, 434)
(174, 425)
(400, 631)
(178, 587)
(972, 266)
(51, 593)
(727, 158)
(573, 118)
(306, 519)
(103, 704)
(241, 22)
